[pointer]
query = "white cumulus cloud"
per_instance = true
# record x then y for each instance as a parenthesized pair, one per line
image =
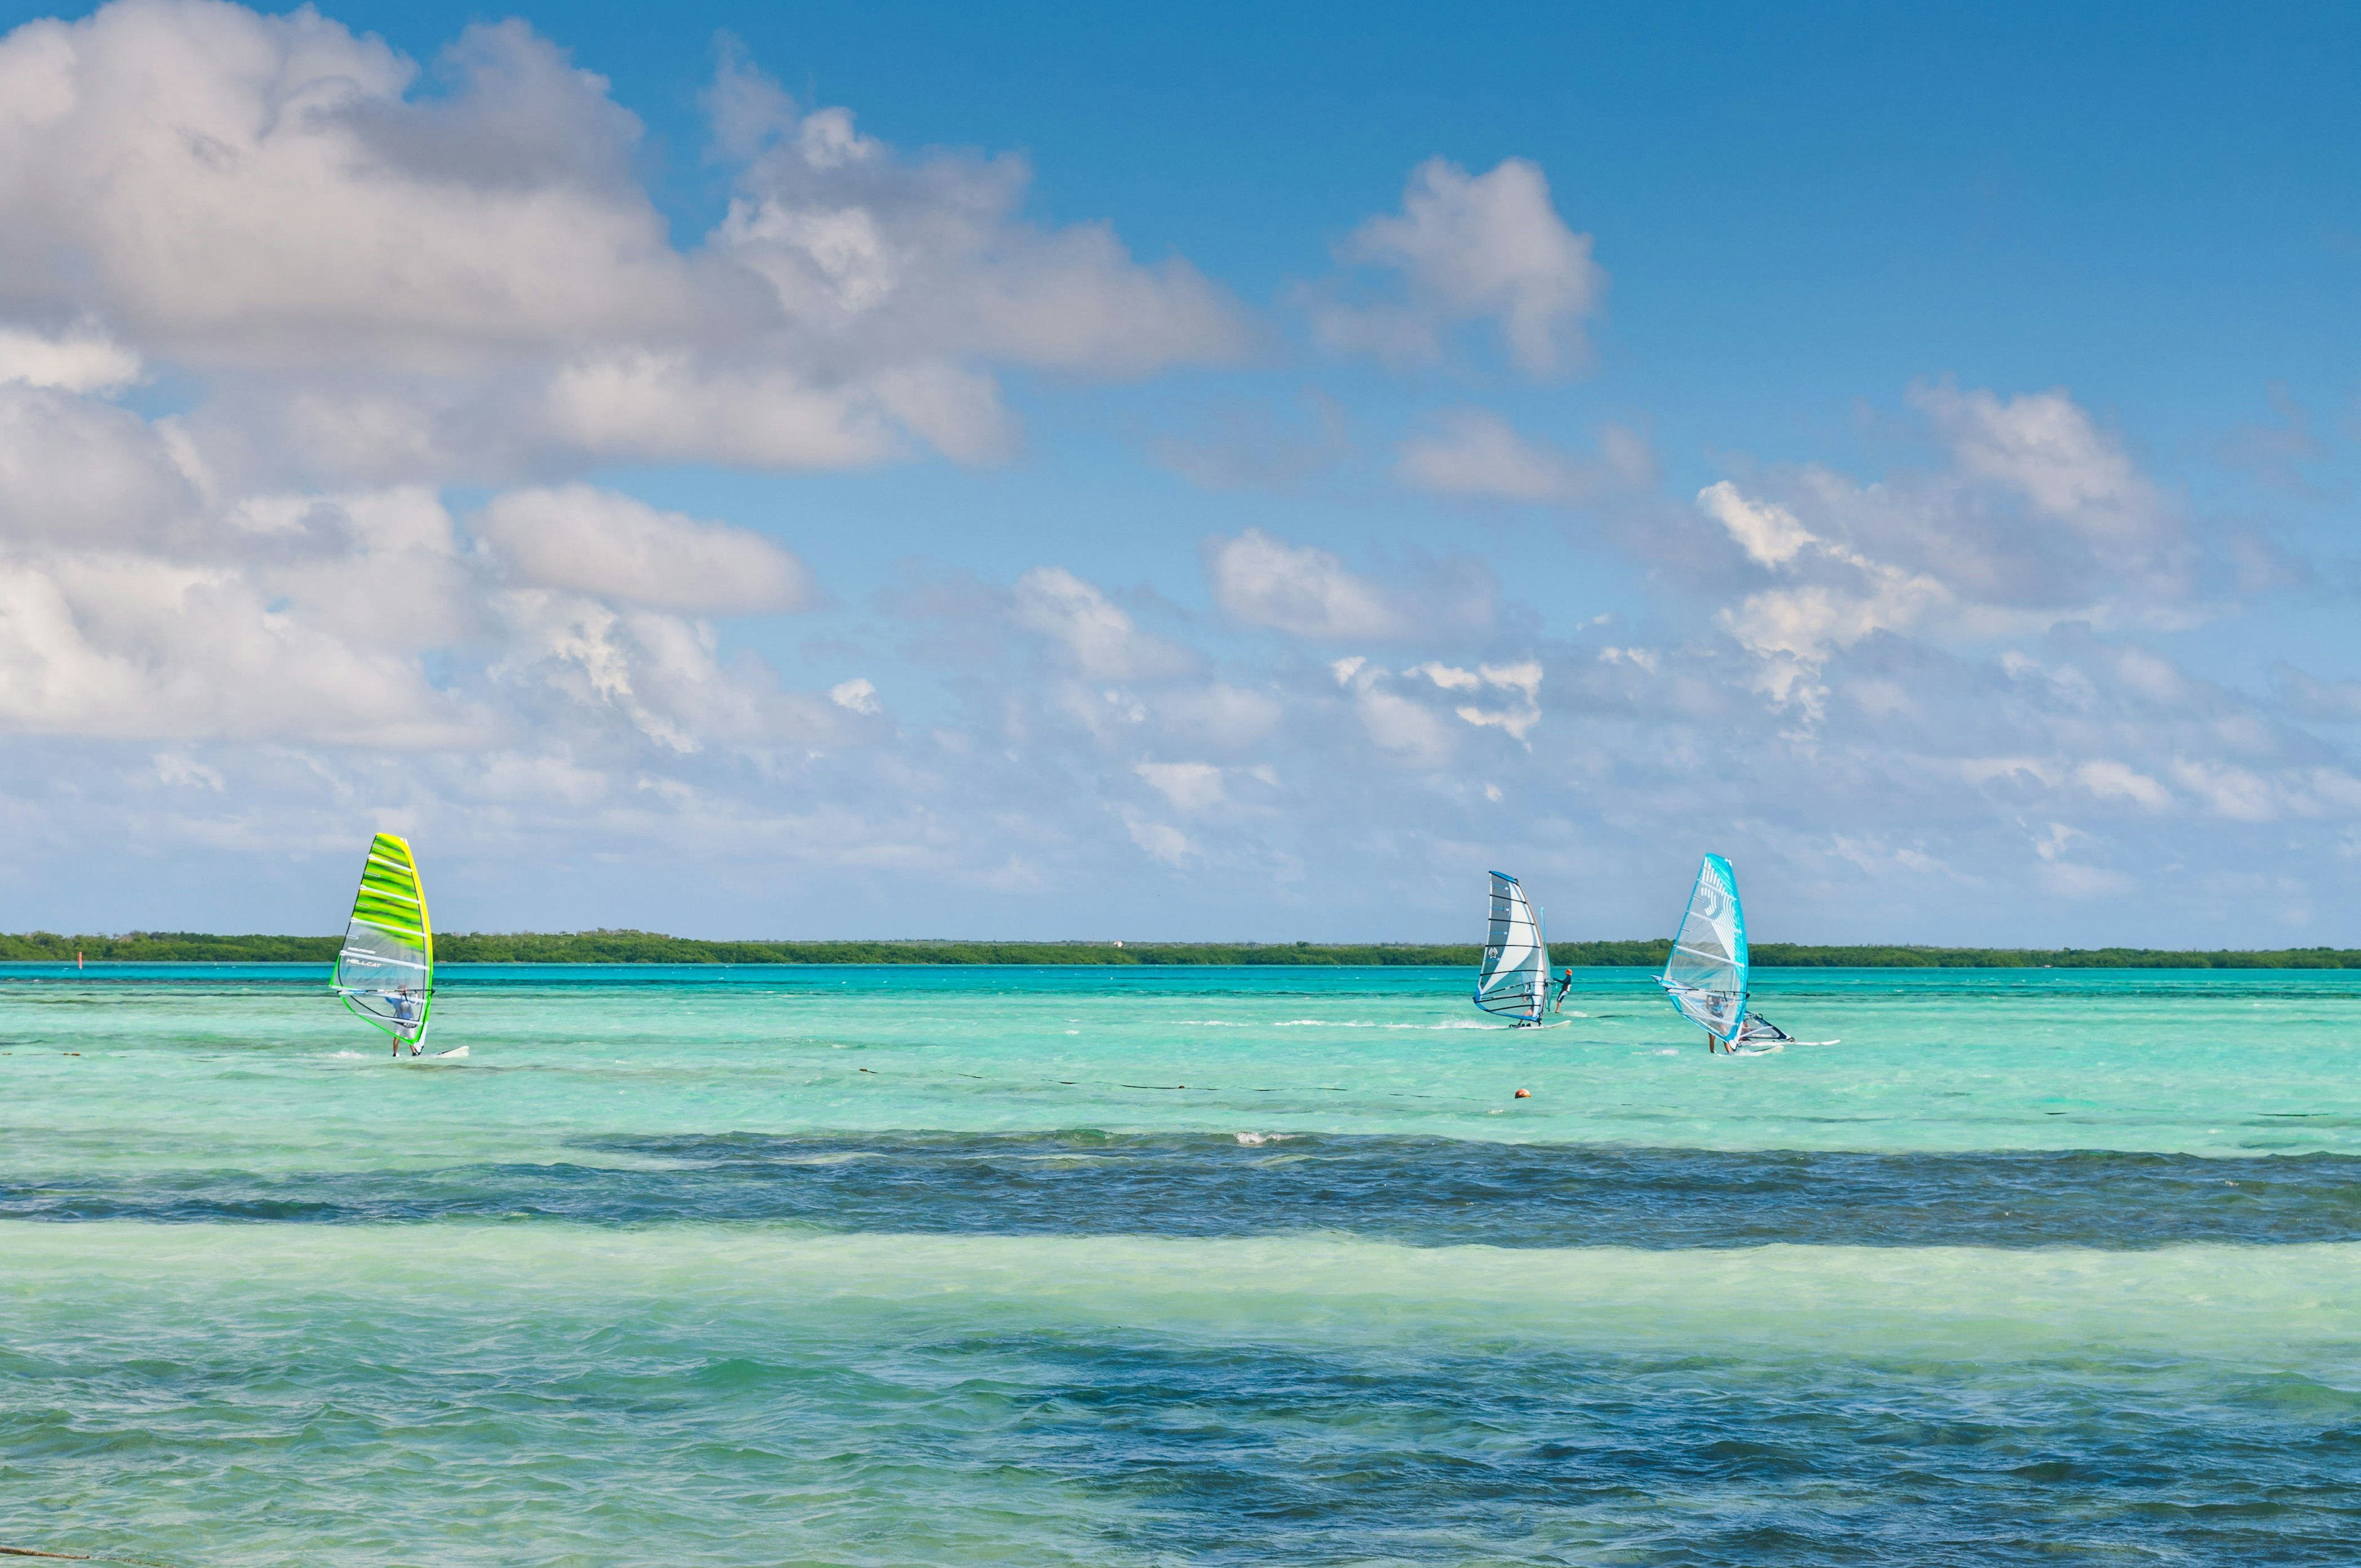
(1489, 246)
(603, 543)
(1190, 788)
(386, 284)
(1522, 681)
(79, 359)
(1098, 635)
(1259, 579)
(855, 695)
(2047, 446)
(1265, 581)
(1476, 454)
(1764, 530)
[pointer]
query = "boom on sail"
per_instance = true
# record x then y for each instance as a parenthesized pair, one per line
(1516, 956)
(385, 973)
(1706, 975)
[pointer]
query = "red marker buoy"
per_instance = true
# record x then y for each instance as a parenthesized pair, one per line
(1524, 1094)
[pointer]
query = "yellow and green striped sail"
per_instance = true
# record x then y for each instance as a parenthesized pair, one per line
(386, 970)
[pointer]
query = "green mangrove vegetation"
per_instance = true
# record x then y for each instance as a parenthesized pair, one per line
(648, 947)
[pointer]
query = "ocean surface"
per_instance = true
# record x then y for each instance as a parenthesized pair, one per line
(888, 1266)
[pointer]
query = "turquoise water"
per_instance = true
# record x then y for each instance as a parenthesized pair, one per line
(1153, 1266)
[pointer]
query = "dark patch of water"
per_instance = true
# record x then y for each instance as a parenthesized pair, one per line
(1125, 1448)
(1421, 1191)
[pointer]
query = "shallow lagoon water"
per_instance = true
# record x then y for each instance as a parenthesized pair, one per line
(897, 1265)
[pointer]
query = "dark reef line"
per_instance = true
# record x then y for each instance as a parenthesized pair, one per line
(1419, 1191)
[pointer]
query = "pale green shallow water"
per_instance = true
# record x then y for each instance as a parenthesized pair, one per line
(659, 1272)
(228, 1062)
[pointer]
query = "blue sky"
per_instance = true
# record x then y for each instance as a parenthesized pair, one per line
(907, 470)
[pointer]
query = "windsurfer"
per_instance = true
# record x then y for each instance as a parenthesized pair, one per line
(1564, 984)
(405, 1014)
(1515, 980)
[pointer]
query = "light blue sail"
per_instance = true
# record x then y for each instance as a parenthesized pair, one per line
(1704, 975)
(1707, 972)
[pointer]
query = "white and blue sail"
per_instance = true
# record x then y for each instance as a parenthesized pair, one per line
(1706, 974)
(1516, 956)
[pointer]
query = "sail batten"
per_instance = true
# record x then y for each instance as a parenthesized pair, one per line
(1515, 975)
(385, 969)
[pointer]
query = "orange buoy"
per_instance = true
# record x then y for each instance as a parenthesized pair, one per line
(1524, 1094)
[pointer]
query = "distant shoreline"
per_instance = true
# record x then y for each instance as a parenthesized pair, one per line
(645, 946)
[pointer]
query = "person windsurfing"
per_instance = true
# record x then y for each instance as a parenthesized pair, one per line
(1564, 984)
(405, 1014)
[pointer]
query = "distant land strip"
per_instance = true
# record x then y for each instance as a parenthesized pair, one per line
(651, 948)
